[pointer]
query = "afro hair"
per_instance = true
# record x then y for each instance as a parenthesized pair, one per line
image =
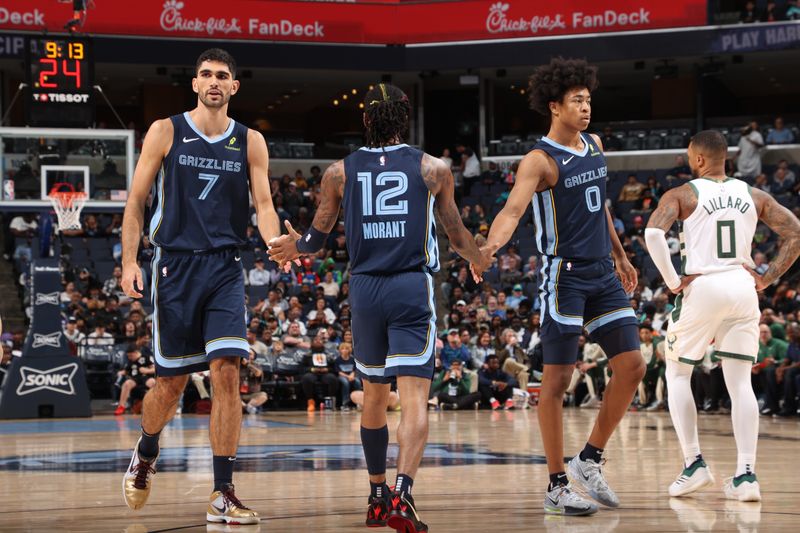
(549, 83)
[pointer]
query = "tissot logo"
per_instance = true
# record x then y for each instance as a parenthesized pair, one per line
(51, 339)
(48, 298)
(57, 379)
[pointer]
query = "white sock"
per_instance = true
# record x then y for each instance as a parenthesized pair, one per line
(744, 412)
(682, 409)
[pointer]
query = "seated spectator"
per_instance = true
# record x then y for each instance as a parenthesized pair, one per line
(592, 364)
(451, 387)
(345, 368)
(530, 271)
(632, 190)
(492, 174)
(318, 370)
(789, 174)
(66, 295)
(294, 338)
(494, 310)
(792, 10)
(654, 378)
(321, 314)
(357, 397)
(788, 372)
(91, 228)
(250, 378)
(532, 336)
(611, 142)
(482, 349)
(782, 187)
(512, 358)
(495, 386)
(680, 173)
(329, 285)
(137, 377)
(646, 204)
(761, 184)
(779, 134)
(516, 297)
(113, 285)
(127, 334)
(454, 350)
(258, 276)
(256, 345)
(100, 337)
(749, 14)
(73, 335)
(655, 188)
(114, 227)
(510, 265)
(771, 353)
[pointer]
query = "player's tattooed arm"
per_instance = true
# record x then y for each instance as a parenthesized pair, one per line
(440, 183)
(283, 250)
(787, 226)
(676, 204)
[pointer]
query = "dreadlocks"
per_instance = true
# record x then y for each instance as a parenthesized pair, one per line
(387, 110)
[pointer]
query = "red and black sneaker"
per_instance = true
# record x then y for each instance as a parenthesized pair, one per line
(377, 512)
(403, 516)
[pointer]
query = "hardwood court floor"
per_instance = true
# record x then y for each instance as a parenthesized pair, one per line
(483, 472)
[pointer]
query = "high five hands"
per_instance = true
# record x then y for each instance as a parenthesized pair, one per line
(487, 259)
(283, 249)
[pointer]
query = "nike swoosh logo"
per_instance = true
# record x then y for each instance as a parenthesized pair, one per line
(237, 260)
(563, 161)
(190, 140)
(219, 509)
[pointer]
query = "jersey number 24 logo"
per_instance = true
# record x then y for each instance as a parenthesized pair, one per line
(384, 207)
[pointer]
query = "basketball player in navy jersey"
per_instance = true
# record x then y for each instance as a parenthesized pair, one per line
(565, 177)
(207, 165)
(390, 193)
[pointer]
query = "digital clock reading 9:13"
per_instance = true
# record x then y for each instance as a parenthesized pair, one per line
(60, 65)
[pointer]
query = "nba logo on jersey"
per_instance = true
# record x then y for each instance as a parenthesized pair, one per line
(383, 160)
(164, 272)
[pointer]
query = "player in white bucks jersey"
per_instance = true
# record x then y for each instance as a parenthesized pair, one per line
(717, 301)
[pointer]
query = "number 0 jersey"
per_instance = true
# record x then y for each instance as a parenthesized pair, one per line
(570, 216)
(388, 212)
(718, 235)
(202, 192)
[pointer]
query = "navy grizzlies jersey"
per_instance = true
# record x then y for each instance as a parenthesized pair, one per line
(388, 212)
(570, 216)
(202, 192)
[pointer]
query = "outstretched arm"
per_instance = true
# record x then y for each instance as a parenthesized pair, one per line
(289, 247)
(532, 169)
(785, 224)
(439, 180)
(258, 160)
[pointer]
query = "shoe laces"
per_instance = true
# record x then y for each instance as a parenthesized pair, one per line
(143, 469)
(229, 497)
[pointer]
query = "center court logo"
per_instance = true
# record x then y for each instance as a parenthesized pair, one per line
(51, 339)
(172, 20)
(498, 21)
(57, 379)
(49, 298)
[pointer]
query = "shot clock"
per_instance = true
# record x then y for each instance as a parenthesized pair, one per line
(60, 82)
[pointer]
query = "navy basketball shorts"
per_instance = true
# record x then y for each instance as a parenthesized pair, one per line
(199, 311)
(394, 325)
(578, 294)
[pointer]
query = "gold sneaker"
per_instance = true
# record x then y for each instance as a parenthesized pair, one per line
(224, 506)
(138, 479)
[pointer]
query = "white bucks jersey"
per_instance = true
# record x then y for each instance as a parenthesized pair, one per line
(718, 235)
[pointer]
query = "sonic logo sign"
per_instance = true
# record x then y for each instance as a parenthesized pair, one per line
(57, 379)
(51, 339)
(50, 298)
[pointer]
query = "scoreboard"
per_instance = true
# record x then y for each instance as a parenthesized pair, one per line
(60, 82)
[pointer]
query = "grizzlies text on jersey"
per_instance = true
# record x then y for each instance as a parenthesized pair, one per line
(202, 192)
(570, 216)
(579, 287)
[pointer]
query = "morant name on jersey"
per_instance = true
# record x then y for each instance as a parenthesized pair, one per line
(395, 229)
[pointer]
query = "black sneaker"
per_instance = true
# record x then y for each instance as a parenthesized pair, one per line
(403, 517)
(377, 511)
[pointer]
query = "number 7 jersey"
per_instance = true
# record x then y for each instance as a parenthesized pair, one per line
(718, 235)
(388, 212)
(202, 192)
(570, 216)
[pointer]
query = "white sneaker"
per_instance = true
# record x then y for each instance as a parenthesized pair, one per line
(588, 476)
(591, 403)
(744, 488)
(561, 500)
(138, 479)
(251, 409)
(693, 478)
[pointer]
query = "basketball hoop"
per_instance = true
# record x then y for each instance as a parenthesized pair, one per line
(67, 205)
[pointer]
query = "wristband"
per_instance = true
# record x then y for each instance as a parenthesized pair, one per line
(312, 241)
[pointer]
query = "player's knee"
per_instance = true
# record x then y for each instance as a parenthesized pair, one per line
(170, 388)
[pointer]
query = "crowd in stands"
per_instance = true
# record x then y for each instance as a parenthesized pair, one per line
(770, 11)
(488, 351)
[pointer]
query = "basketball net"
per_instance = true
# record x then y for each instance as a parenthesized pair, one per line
(67, 205)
